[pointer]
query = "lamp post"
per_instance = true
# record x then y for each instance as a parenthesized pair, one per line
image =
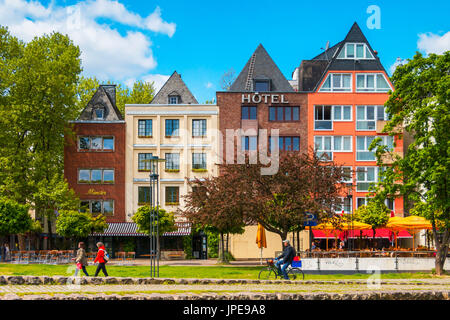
(154, 215)
(350, 197)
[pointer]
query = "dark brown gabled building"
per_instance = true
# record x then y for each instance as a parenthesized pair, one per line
(94, 157)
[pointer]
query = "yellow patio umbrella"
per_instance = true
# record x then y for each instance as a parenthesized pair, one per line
(411, 223)
(391, 224)
(261, 238)
(329, 228)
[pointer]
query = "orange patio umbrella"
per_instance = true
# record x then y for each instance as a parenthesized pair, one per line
(411, 224)
(329, 228)
(261, 238)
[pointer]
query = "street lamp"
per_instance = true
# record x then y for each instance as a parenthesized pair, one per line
(349, 191)
(154, 215)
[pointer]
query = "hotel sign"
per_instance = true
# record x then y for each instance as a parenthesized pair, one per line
(264, 97)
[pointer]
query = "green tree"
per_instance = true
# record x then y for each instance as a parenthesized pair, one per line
(14, 218)
(37, 101)
(420, 106)
(76, 225)
(374, 213)
(166, 221)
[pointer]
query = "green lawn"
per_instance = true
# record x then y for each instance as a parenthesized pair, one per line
(217, 272)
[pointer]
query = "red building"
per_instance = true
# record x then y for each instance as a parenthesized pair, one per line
(94, 157)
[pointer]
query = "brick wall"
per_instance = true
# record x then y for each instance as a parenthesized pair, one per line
(73, 160)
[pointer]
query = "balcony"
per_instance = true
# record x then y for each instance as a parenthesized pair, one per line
(382, 123)
(389, 158)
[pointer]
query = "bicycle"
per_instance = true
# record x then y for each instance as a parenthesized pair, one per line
(271, 271)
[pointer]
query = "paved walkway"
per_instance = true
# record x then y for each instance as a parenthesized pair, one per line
(193, 262)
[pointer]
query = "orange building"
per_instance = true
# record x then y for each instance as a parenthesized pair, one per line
(347, 87)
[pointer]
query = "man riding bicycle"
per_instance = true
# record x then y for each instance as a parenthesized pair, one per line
(288, 256)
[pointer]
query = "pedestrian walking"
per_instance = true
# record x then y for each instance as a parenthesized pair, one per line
(6, 252)
(81, 259)
(100, 258)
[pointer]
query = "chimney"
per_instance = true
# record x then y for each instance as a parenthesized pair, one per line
(110, 91)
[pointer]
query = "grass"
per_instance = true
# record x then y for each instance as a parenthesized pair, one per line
(200, 272)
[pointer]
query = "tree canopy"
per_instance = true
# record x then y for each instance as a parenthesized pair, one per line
(14, 217)
(420, 106)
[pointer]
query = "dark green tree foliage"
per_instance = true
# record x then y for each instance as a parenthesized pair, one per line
(14, 218)
(374, 213)
(74, 225)
(420, 105)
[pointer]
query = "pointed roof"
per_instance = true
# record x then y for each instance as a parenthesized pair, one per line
(174, 86)
(260, 66)
(104, 98)
(327, 60)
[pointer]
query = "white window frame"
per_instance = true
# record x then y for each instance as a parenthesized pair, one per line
(366, 49)
(337, 89)
(365, 117)
(366, 147)
(102, 201)
(343, 206)
(342, 113)
(351, 178)
(375, 89)
(173, 97)
(102, 149)
(332, 149)
(365, 179)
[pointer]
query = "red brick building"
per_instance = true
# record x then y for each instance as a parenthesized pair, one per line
(94, 157)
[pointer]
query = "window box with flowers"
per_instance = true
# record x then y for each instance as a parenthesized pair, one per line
(199, 170)
(172, 170)
(172, 203)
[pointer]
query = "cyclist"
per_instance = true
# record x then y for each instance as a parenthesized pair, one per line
(288, 256)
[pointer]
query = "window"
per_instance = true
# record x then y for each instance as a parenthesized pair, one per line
(322, 118)
(172, 127)
(362, 148)
(326, 145)
(199, 161)
(91, 143)
(249, 113)
(144, 195)
(96, 176)
(105, 207)
(199, 128)
(390, 204)
(173, 99)
(249, 143)
(347, 174)
(284, 113)
(172, 161)
(337, 82)
(371, 83)
(346, 205)
(361, 202)
(382, 114)
(172, 195)
(355, 51)
(342, 113)
(144, 161)
(365, 176)
(145, 128)
(286, 143)
(99, 114)
(262, 85)
(365, 118)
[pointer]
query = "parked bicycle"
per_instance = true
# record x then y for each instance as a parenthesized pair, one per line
(270, 272)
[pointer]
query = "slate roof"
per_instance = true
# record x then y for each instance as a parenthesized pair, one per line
(105, 98)
(260, 66)
(312, 71)
(130, 229)
(174, 86)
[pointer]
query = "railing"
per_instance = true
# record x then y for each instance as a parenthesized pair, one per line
(42, 257)
(368, 254)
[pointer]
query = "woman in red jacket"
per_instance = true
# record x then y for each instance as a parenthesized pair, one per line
(100, 259)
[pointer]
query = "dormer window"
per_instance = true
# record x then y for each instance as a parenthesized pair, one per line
(355, 51)
(337, 82)
(262, 85)
(99, 112)
(173, 99)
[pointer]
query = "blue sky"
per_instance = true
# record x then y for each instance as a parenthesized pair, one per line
(127, 40)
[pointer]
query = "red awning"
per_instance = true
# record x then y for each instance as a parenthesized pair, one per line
(379, 233)
(319, 234)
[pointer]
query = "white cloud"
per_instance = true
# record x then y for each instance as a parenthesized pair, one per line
(433, 43)
(209, 85)
(106, 53)
(397, 63)
(157, 79)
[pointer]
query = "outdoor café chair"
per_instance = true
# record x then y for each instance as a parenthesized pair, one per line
(130, 256)
(15, 257)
